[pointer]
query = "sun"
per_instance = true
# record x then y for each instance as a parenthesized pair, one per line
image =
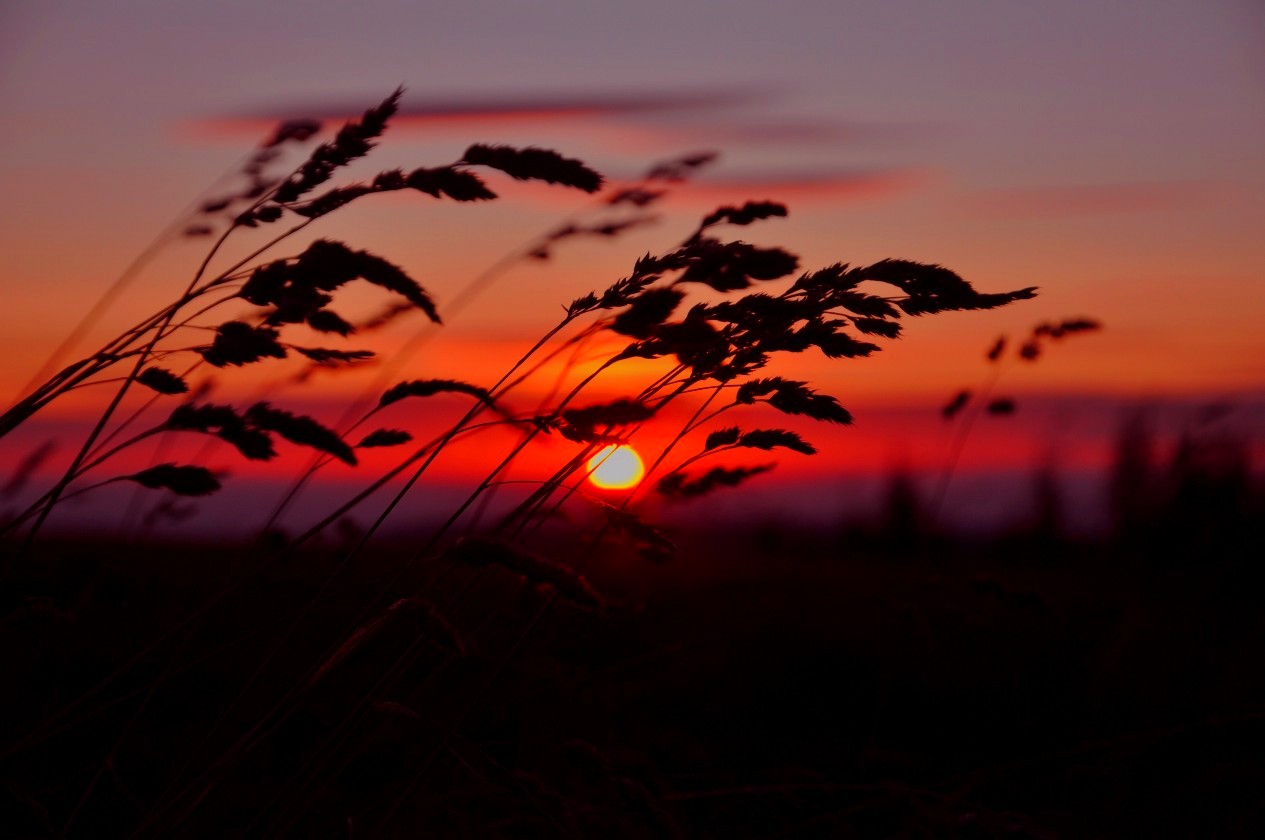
(616, 468)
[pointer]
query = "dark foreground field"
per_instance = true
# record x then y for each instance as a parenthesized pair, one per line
(767, 684)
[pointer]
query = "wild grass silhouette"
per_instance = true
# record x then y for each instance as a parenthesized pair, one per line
(966, 407)
(472, 680)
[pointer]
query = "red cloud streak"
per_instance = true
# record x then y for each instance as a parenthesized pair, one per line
(472, 111)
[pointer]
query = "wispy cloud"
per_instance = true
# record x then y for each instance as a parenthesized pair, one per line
(481, 111)
(643, 121)
(777, 131)
(825, 186)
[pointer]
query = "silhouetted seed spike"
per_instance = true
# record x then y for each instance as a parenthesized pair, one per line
(354, 140)
(730, 266)
(430, 387)
(918, 278)
(761, 314)
(678, 169)
(999, 347)
(768, 439)
(865, 305)
(832, 279)
(202, 418)
(163, 381)
(324, 356)
(299, 429)
(389, 276)
(182, 480)
(479, 551)
(793, 397)
(648, 265)
(616, 413)
(992, 301)
(326, 321)
(651, 348)
(266, 214)
(581, 424)
(265, 283)
(215, 205)
(326, 265)
(835, 344)
(647, 311)
(877, 326)
(453, 183)
(238, 343)
(331, 200)
(252, 443)
(224, 423)
(374, 121)
(671, 484)
(680, 485)
(389, 181)
(580, 305)
(384, 437)
(610, 229)
(1077, 325)
(955, 405)
(933, 288)
(564, 232)
(606, 229)
(1030, 351)
(695, 342)
(292, 130)
(534, 164)
(750, 212)
(636, 197)
(623, 291)
(749, 391)
(295, 302)
(810, 404)
(585, 434)
(1004, 405)
(722, 437)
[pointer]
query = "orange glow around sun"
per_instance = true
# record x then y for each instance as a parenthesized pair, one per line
(616, 468)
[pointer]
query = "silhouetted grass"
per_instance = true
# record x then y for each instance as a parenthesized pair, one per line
(514, 679)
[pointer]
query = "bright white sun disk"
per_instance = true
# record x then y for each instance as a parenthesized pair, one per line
(616, 468)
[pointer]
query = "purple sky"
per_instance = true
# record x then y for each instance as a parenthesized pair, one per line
(1111, 153)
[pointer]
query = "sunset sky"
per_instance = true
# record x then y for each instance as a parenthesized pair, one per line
(1111, 154)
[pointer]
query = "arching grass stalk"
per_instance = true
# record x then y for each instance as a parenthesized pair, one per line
(159, 333)
(496, 393)
(429, 454)
(639, 194)
(461, 426)
(527, 509)
(258, 731)
(967, 407)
